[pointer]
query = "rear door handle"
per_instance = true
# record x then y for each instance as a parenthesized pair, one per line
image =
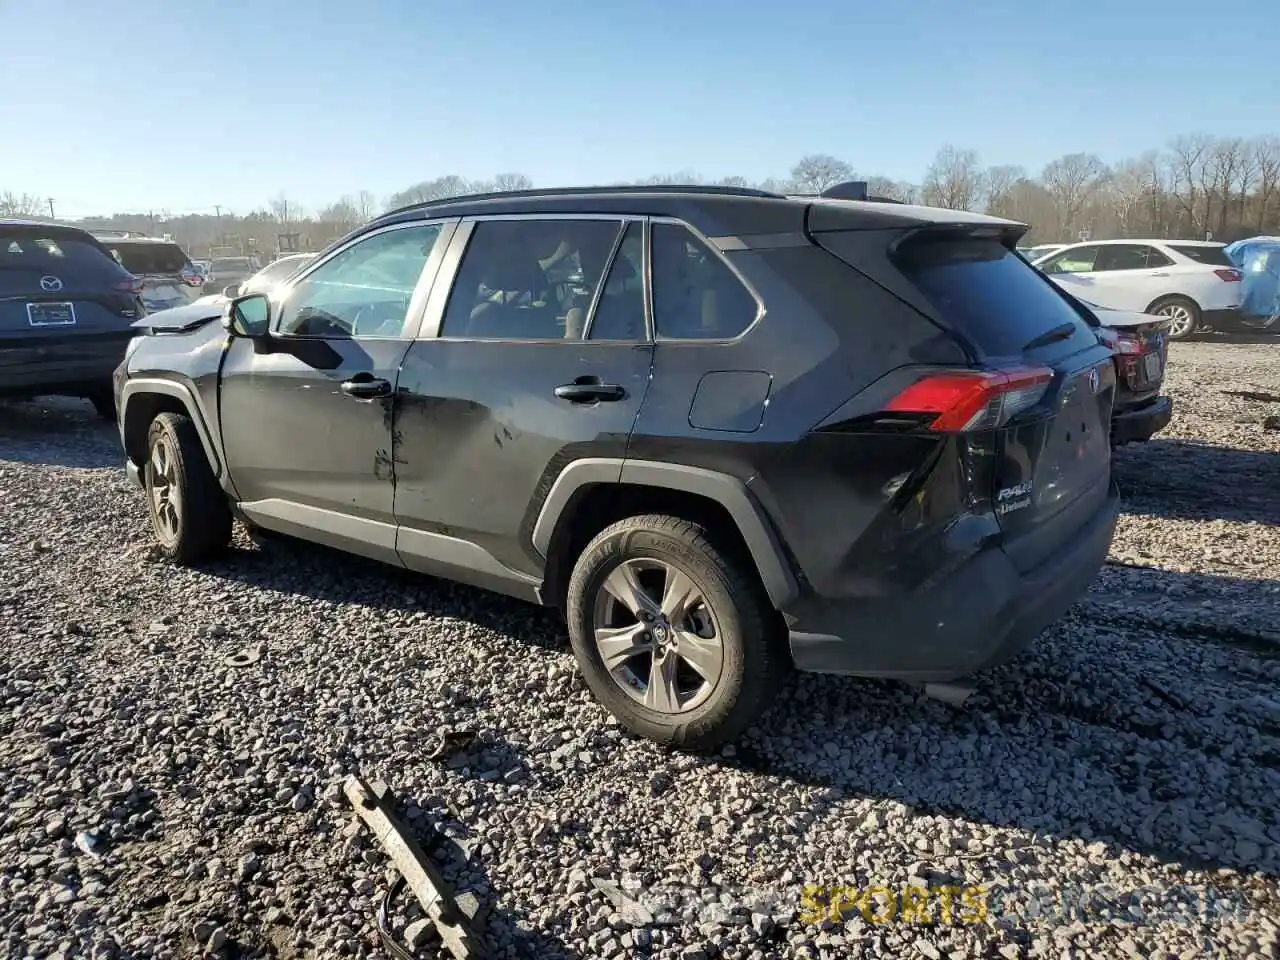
(589, 390)
(1159, 273)
(365, 389)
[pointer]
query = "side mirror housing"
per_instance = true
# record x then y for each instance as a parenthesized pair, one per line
(249, 316)
(231, 290)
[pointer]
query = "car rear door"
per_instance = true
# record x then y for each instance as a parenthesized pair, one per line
(534, 353)
(66, 308)
(306, 415)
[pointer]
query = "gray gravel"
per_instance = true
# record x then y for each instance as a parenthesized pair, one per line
(1114, 791)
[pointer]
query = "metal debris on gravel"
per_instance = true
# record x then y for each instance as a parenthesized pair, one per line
(1113, 792)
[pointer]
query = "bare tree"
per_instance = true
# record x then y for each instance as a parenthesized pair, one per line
(366, 205)
(954, 180)
(440, 188)
(817, 172)
(1001, 181)
(1266, 157)
(1073, 181)
(506, 182)
(892, 189)
(20, 205)
(1187, 157)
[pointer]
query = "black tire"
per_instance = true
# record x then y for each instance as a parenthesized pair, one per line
(1176, 303)
(201, 521)
(104, 404)
(753, 660)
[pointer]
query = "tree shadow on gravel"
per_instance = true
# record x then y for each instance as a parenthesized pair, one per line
(1088, 735)
(1187, 480)
(59, 432)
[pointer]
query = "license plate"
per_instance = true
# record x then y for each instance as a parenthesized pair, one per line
(1151, 363)
(51, 314)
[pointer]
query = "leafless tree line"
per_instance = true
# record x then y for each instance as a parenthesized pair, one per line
(1197, 186)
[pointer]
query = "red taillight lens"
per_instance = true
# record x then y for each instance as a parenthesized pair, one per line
(973, 399)
(131, 285)
(1229, 276)
(1120, 342)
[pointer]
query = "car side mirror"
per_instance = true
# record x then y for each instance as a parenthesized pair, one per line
(231, 290)
(249, 316)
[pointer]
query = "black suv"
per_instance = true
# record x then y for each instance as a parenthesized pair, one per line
(66, 312)
(727, 432)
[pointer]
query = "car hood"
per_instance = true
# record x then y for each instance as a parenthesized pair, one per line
(177, 319)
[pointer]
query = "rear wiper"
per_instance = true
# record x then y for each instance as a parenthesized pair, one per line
(1061, 332)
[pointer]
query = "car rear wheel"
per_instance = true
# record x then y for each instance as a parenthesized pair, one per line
(673, 634)
(189, 512)
(1183, 314)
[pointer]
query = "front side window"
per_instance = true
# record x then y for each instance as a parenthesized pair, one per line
(363, 291)
(1077, 260)
(695, 294)
(529, 279)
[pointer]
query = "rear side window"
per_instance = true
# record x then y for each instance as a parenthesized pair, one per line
(695, 294)
(150, 258)
(1211, 256)
(1129, 256)
(21, 249)
(987, 292)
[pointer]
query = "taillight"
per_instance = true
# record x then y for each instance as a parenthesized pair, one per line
(1120, 341)
(131, 285)
(1229, 275)
(973, 399)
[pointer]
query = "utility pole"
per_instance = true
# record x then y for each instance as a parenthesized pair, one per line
(51, 214)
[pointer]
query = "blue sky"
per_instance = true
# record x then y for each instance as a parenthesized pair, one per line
(159, 104)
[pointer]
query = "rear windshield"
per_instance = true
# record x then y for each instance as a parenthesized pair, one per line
(1213, 256)
(166, 259)
(988, 293)
(232, 265)
(23, 249)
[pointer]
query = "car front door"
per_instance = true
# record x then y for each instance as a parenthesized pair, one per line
(534, 352)
(306, 413)
(1073, 270)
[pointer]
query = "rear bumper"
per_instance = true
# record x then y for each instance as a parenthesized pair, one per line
(1135, 424)
(71, 365)
(975, 617)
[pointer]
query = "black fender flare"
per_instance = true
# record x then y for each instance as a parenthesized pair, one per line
(730, 492)
(144, 386)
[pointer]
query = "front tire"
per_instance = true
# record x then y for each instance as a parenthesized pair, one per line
(1184, 316)
(189, 512)
(673, 634)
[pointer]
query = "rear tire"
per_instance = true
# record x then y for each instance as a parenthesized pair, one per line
(696, 604)
(189, 512)
(1184, 316)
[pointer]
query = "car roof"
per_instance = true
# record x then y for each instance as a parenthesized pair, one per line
(1147, 240)
(712, 209)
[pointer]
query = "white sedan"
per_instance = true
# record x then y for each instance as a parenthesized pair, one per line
(1192, 282)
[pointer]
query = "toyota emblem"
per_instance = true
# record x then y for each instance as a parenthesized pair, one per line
(50, 284)
(1094, 380)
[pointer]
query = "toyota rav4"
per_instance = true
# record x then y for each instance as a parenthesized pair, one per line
(727, 432)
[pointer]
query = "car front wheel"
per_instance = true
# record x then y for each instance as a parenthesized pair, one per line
(673, 634)
(189, 512)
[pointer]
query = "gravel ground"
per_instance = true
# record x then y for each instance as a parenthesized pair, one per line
(1113, 792)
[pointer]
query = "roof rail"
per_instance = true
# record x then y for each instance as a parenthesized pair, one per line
(604, 190)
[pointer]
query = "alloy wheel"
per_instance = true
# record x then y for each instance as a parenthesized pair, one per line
(166, 493)
(657, 636)
(1180, 319)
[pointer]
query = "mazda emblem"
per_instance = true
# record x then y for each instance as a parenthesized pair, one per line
(50, 284)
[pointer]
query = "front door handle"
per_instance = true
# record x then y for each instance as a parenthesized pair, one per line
(365, 388)
(589, 390)
(1159, 273)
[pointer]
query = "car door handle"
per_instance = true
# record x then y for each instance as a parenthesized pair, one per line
(365, 389)
(1159, 273)
(589, 390)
